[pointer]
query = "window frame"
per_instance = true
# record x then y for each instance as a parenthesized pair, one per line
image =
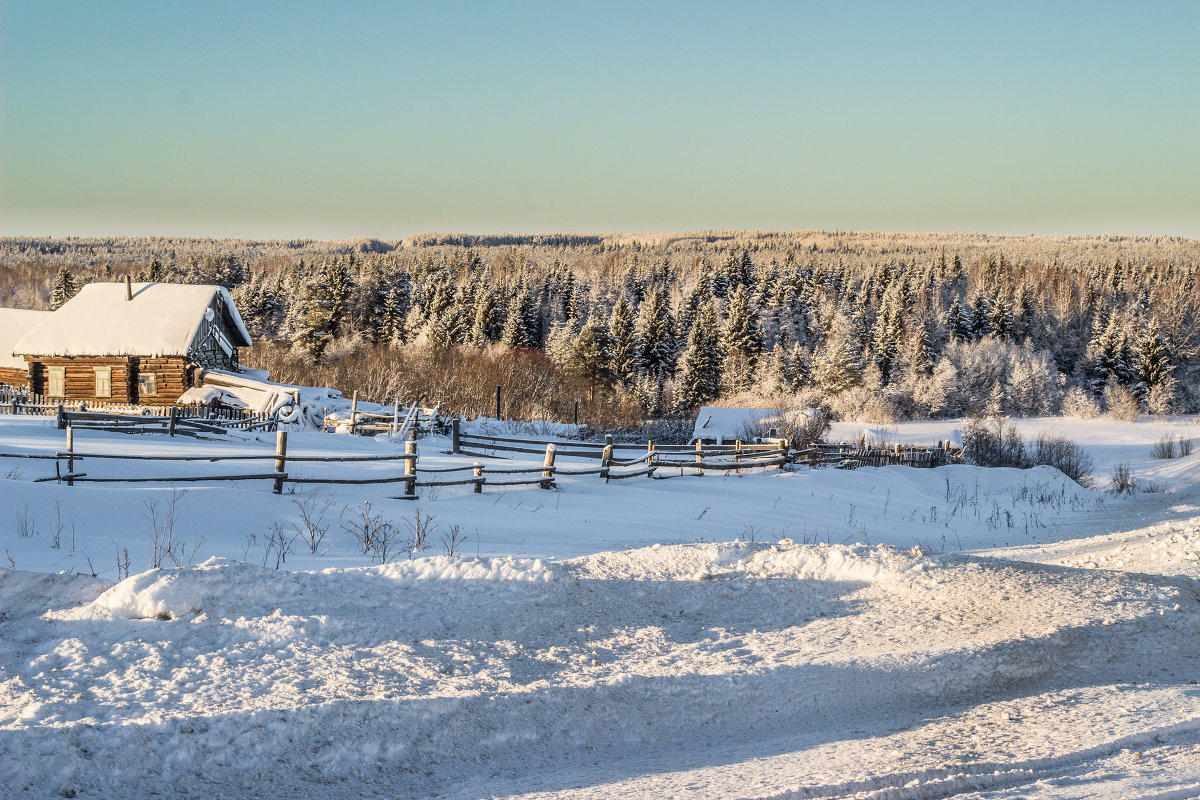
(56, 377)
(103, 379)
(144, 379)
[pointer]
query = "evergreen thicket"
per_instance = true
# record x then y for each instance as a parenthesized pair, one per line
(876, 327)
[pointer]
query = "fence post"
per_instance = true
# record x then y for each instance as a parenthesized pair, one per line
(454, 443)
(280, 459)
(171, 418)
(478, 488)
(497, 401)
(606, 458)
(650, 451)
(576, 410)
(548, 472)
(700, 457)
(70, 460)
(353, 411)
(737, 455)
(62, 420)
(410, 471)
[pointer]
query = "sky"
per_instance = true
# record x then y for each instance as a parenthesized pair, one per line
(352, 119)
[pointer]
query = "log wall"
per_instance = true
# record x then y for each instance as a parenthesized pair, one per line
(173, 376)
(14, 377)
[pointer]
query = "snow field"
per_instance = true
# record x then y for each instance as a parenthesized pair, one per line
(872, 633)
(624, 672)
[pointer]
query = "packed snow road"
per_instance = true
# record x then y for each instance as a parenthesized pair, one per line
(712, 670)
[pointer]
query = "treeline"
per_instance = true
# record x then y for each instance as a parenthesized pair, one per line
(877, 327)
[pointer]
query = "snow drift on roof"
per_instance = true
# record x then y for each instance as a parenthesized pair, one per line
(15, 323)
(161, 320)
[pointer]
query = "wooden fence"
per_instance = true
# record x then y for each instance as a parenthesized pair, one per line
(402, 421)
(134, 418)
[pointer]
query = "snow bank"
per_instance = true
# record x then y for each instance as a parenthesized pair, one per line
(729, 424)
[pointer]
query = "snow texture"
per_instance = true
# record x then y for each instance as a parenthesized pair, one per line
(874, 633)
(162, 319)
(15, 323)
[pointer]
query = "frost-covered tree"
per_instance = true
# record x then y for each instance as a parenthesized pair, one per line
(64, 288)
(700, 365)
(654, 336)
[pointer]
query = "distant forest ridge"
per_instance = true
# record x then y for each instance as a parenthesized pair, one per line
(874, 326)
(114, 250)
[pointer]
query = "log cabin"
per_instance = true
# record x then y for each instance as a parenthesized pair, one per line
(144, 343)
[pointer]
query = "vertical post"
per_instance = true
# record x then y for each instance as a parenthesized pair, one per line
(353, 411)
(171, 419)
(478, 487)
(576, 410)
(396, 417)
(548, 471)
(62, 419)
(70, 459)
(280, 459)
(606, 458)
(737, 454)
(410, 471)
(699, 456)
(650, 451)
(497, 401)
(455, 445)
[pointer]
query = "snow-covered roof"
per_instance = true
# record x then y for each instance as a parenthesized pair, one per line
(162, 319)
(15, 323)
(729, 424)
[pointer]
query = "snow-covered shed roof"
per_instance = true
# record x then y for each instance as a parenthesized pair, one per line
(15, 323)
(724, 424)
(162, 319)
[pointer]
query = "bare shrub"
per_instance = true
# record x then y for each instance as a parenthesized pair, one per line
(800, 429)
(1065, 456)
(420, 527)
(313, 526)
(452, 539)
(163, 544)
(1185, 447)
(26, 521)
(1122, 481)
(1151, 487)
(278, 546)
(994, 443)
(1164, 448)
(367, 526)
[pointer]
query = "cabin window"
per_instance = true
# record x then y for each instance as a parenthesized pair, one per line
(147, 383)
(103, 381)
(56, 381)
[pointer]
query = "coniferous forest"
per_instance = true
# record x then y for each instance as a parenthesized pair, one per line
(874, 327)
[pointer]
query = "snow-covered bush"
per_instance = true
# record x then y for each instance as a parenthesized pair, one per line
(1079, 404)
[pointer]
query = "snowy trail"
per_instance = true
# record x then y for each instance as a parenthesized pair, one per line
(753, 671)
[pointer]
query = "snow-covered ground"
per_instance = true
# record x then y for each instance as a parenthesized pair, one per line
(870, 633)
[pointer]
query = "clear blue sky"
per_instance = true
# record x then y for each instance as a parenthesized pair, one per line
(331, 120)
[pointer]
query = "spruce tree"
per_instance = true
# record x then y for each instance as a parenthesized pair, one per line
(64, 288)
(654, 336)
(623, 345)
(701, 363)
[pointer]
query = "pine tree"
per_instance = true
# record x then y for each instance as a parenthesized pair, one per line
(654, 336)
(1154, 365)
(155, 273)
(838, 366)
(701, 362)
(590, 356)
(623, 344)
(64, 288)
(743, 338)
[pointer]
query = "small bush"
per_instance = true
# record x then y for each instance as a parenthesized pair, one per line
(1122, 479)
(1079, 404)
(1185, 447)
(995, 443)
(1164, 448)
(1065, 456)
(1122, 404)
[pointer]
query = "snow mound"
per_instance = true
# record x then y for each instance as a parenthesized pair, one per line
(230, 589)
(822, 562)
